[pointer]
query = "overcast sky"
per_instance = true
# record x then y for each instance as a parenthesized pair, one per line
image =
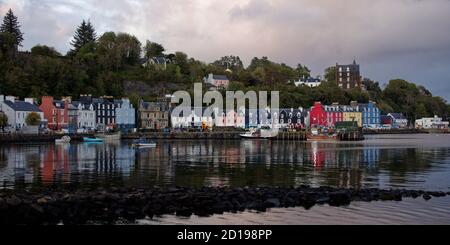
(407, 39)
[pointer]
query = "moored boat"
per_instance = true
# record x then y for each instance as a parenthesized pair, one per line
(92, 140)
(109, 136)
(143, 143)
(64, 140)
(259, 134)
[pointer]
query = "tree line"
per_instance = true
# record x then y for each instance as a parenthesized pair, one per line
(111, 64)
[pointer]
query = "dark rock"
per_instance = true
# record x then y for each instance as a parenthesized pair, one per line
(426, 196)
(272, 203)
(339, 198)
(13, 201)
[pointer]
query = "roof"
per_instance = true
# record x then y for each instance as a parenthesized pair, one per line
(397, 115)
(22, 106)
(220, 77)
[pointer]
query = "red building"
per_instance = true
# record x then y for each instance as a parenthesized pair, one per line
(334, 114)
(318, 116)
(56, 112)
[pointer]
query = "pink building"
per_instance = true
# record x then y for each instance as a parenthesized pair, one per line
(218, 81)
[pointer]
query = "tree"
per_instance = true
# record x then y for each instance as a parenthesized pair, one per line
(152, 49)
(11, 25)
(330, 74)
(303, 71)
(3, 121)
(44, 51)
(33, 119)
(84, 35)
(231, 62)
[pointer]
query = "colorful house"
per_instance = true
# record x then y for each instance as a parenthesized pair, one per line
(352, 114)
(105, 111)
(371, 115)
(318, 116)
(125, 115)
(398, 120)
(56, 112)
(292, 118)
(333, 114)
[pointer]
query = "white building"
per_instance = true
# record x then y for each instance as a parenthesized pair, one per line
(431, 123)
(125, 114)
(310, 82)
(17, 111)
(85, 116)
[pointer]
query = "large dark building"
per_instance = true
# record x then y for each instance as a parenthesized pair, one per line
(348, 76)
(105, 109)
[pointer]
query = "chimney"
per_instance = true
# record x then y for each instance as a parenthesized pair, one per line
(29, 100)
(10, 98)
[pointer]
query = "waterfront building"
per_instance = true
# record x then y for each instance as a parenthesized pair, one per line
(310, 82)
(352, 114)
(105, 111)
(333, 114)
(17, 111)
(398, 120)
(348, 76)
(153, 115)
(230, 118)
(431, 123)
(56, 112)
(73, 118)
(318, 116)
(292, 118)
(371, 115)
(125, 114)
(86, 116)
(194, 118)
(218, 81)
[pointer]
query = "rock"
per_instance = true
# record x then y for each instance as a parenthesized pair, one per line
(272, 203)
(13, 201)
(339, 198)
(426, 196)
(42, 200)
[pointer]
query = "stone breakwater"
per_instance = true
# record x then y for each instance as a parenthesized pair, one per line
(110, 205)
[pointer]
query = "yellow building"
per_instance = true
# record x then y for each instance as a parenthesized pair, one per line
(352, 115)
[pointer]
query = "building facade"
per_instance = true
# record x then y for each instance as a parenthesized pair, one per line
(318, 116)
(371, 115)
(153, 115)
(334, 114)
(218, 81)
(18, 111)
(431, 123)
(105, 111)
(56, 112)
(125, 115)
(352, 114)
(348, 76)
(86, 116)
(398, 120)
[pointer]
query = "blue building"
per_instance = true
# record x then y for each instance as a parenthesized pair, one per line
(371, 115)
(125, 115)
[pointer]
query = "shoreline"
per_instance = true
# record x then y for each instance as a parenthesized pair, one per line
(81, 206)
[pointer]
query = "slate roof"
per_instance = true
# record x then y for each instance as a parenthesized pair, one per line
(220, 77)
(22, 106)
(397, 115)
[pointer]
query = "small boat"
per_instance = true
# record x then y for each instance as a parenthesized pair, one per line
(143, 143)
(92, 140)
(64, 140)
(109, 136)
(259, 134)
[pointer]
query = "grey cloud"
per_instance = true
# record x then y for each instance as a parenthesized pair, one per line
(403, 38)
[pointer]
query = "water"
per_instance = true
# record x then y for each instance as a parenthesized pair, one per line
(386, 161)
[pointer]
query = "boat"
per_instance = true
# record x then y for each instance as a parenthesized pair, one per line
(143, 143)
(319, 135)
(64, 140)
(109, 136)
(92, 140)
(259, 134)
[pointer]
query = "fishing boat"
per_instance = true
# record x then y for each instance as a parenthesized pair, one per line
(92, 140)
(109, 136)
(259, 134)
(64, 140)
(143, 143)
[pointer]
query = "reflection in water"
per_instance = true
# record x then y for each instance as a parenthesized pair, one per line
(384, 161)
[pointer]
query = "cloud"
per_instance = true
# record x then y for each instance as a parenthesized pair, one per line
(403, 38)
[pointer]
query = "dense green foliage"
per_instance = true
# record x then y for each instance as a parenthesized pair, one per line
(33, 119)
(3, 121)
(110, 65)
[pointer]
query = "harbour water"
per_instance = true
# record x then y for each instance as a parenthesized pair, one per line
(419, 162)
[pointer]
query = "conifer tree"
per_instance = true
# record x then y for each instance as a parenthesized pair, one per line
(85, 34)
(11, 25)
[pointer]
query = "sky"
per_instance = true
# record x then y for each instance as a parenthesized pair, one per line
(408, 39)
